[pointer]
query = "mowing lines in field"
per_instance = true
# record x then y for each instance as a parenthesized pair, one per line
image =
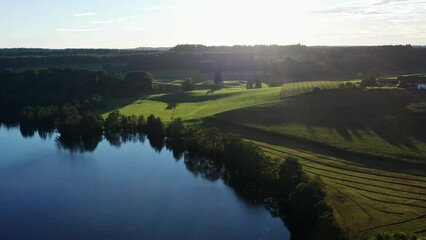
(383, 197)
(297, 88)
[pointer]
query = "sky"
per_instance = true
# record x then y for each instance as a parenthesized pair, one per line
(166, 23)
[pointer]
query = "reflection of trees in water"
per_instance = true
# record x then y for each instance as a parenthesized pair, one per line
(117, 139)
(205, 168)
(198, 165)
(28, 131)
(79, 144)
(156, 142)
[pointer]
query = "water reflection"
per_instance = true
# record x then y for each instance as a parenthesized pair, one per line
(142, 196)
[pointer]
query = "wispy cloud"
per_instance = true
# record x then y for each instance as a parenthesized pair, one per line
(378, 7)
(115, 20)
(78, 29)
(340, 10)
(154, 8)
(85, 14)
(384, 2)
(381, 7)
(350, 10)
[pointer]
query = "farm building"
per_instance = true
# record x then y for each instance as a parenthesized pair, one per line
(412, 82)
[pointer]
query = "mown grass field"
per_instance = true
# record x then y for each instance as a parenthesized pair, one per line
(298, 88)
(195, 104)
(382, 122)
(368, 196)
(365, 200)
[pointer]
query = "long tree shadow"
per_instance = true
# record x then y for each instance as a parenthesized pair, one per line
(173, 99)
(350, 114)
(112, 105)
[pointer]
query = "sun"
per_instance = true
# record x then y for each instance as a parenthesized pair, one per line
(247, 22)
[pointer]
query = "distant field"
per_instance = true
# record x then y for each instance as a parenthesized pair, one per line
(381, 122)
(297, 88)
(195, 104)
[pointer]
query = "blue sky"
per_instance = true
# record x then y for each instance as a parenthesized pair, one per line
(164, 23)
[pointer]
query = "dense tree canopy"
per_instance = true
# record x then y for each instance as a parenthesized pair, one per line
(296, 61)
(85, 88)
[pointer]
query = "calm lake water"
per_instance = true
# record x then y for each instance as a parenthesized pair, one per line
(127, 192)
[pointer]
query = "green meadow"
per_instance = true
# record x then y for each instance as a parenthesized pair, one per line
(381, 122)
(195, 104)
(298, 88)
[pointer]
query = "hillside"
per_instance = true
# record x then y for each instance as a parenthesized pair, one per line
(195, 104)
(353, 140)
(381, 122)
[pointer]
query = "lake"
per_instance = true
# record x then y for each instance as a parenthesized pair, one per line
(131, 191)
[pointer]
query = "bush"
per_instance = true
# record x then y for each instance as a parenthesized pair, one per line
(290, 175)
(188, 85)
(154, 127)
(349, 85)
(317, 89)
(135, 82)
(113, 122)
(91, 124)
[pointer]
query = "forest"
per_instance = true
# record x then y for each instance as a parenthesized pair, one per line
(296, 61)
(83, 88)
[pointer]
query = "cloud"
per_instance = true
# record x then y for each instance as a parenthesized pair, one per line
(115, 20)
(154, 8)
(340, 10)
(384, 2)
(350, 10)
(377, 7)
(85, 14)
(78, 29)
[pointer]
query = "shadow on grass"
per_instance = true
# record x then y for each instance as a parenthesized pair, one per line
(352, 115)
(173, 99)
(309, 147)
(115, 104)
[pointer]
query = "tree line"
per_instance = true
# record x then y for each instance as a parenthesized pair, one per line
(19, 89)
(300, 200)
(297, 198)
(295, 61)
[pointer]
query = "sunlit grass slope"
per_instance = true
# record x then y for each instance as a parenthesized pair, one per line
(198, 104)
(382, 122)
(298, 88)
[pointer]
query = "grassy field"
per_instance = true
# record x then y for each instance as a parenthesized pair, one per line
(297, 88)
(195, 104)
(381, 122)
(365, 200)
(368, 196)
(353, 139)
